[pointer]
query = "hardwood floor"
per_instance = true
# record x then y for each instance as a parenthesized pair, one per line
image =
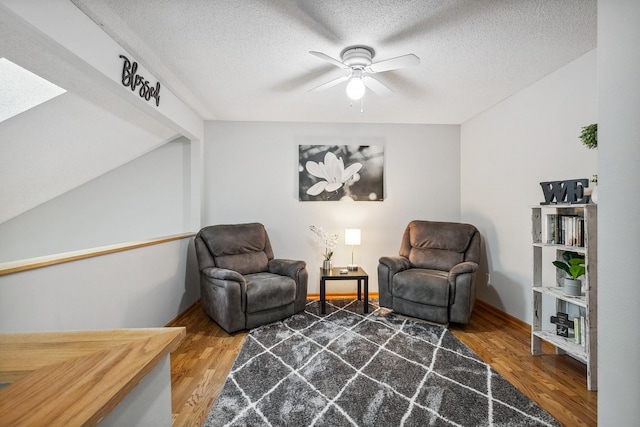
(199, 366)
(557, 383)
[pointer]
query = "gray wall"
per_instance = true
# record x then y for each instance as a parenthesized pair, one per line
(144, 287)
(619, 210)
(251, 174)
(64, 143)
(149, 197)
(145, 198)
(506, 152)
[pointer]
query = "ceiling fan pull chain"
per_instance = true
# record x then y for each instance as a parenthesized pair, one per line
(361, 104)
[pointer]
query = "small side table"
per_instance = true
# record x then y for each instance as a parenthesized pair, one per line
(334, 274)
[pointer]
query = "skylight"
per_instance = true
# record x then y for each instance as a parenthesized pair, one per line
(21, 90)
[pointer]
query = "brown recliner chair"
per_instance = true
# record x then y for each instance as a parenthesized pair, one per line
(241, 284)
(434, 277)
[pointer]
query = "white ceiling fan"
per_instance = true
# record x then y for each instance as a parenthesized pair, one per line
(358, 61)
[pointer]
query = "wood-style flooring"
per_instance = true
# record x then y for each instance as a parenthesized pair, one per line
(557, 383)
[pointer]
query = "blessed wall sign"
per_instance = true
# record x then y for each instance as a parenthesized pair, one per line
(570, 191)
(131, 79)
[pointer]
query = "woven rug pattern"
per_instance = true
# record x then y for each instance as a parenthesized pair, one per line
(345, 368)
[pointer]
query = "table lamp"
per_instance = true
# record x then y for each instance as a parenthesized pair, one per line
(352, 237)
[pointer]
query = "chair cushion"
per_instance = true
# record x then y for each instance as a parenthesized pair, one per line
(436, 245)
(266, 291)
(244, 248)
(422, 286)
(248, 263)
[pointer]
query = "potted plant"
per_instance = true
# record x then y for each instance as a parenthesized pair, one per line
(573, 265)
(589, 136)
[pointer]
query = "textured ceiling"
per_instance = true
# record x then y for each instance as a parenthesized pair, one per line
(248, 60)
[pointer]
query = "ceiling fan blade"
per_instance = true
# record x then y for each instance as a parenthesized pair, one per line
(377, 86)
(330, 84)
(403, 61)
(329, 59)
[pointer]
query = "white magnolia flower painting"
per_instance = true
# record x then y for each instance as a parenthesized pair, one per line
(341, 172)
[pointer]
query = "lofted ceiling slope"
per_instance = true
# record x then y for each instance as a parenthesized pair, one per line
(248, 60)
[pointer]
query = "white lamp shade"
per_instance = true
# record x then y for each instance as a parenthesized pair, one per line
(352, 236)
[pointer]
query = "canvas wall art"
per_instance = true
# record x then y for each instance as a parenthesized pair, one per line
(341, 172)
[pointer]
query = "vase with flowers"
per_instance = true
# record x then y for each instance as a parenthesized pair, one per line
(328, 241)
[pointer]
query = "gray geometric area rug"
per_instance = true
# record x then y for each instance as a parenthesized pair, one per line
(344, 368)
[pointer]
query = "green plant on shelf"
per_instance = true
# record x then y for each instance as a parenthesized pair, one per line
(573, 264)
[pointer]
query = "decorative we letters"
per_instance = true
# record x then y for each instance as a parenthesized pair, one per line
(570, 191)
(133, 80)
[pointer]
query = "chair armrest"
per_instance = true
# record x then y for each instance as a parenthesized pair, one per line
(286, 267)
(222, 274)
(395, 264)
(223, 295)
(462, 268)
(388, 267)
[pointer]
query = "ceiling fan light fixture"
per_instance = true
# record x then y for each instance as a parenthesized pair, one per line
(358, 61)
(355, 87)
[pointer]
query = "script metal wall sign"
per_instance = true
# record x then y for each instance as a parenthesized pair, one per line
(135, 81)
(570, 191)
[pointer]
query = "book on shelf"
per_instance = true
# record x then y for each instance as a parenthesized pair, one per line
(567, 230)
(579, 333)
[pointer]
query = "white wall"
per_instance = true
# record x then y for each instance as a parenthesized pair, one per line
(97, 126)
(505, 153)
(61, 144)
(148, 404)
(146, 198)
(619, 210)
(251, 174)
(155, 195)
(144, 287)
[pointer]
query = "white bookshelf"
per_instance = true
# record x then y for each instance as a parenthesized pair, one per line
(545, 249)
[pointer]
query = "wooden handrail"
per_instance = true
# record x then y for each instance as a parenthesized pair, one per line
(48, 260)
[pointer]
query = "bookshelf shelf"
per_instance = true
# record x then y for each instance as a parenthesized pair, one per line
(568, 344)
(578, 249)
(556, 229)
(558, 292)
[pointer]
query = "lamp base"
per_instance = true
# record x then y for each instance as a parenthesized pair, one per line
(352, 267)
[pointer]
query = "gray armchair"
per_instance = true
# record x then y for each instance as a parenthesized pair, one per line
(434, 277)
(241, 284)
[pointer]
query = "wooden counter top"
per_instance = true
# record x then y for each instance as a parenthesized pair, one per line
(76, 378)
